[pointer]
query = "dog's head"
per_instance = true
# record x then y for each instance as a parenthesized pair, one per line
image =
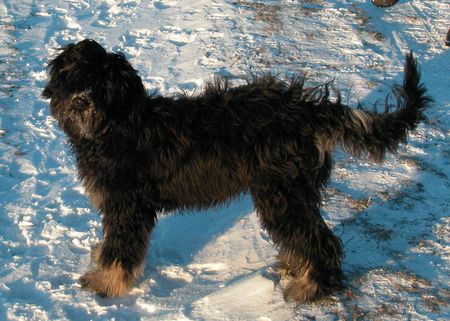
(91, 88)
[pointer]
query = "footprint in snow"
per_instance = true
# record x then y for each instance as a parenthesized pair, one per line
(170, 278)
(105, 17)
(113, 14)
(143, 38)
(206, 268)
(165, 4)
(176, 36)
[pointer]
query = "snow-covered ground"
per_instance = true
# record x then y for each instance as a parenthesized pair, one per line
(219, 265)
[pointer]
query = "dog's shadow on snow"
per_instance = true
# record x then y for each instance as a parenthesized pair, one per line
(178, 237)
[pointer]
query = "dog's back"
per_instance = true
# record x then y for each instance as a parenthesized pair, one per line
(269, 114)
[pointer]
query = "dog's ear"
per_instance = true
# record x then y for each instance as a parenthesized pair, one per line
(122, 88)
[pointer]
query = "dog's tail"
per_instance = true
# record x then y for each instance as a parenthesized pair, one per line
(365, 133)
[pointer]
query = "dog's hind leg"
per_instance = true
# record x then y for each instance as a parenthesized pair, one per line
(119, 257)
(309, 252)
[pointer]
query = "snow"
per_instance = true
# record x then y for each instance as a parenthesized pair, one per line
(220, 265)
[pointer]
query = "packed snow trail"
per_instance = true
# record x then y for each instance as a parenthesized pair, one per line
(219, 265)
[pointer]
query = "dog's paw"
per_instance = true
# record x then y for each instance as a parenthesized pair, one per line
(301, 289)
(107, 282)
(304, 288)
(89, 282)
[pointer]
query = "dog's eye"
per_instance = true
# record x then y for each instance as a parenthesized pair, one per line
(80, 103)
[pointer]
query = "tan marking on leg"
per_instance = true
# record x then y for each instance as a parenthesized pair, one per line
(110, 281)
(302, 288)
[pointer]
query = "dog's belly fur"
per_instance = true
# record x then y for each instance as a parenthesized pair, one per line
(214, 183)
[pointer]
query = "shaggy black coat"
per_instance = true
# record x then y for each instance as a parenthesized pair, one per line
(139, 155)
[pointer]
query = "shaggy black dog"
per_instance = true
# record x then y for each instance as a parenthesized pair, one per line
(139, 155)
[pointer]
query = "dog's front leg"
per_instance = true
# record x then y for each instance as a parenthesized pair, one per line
(119, 258)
